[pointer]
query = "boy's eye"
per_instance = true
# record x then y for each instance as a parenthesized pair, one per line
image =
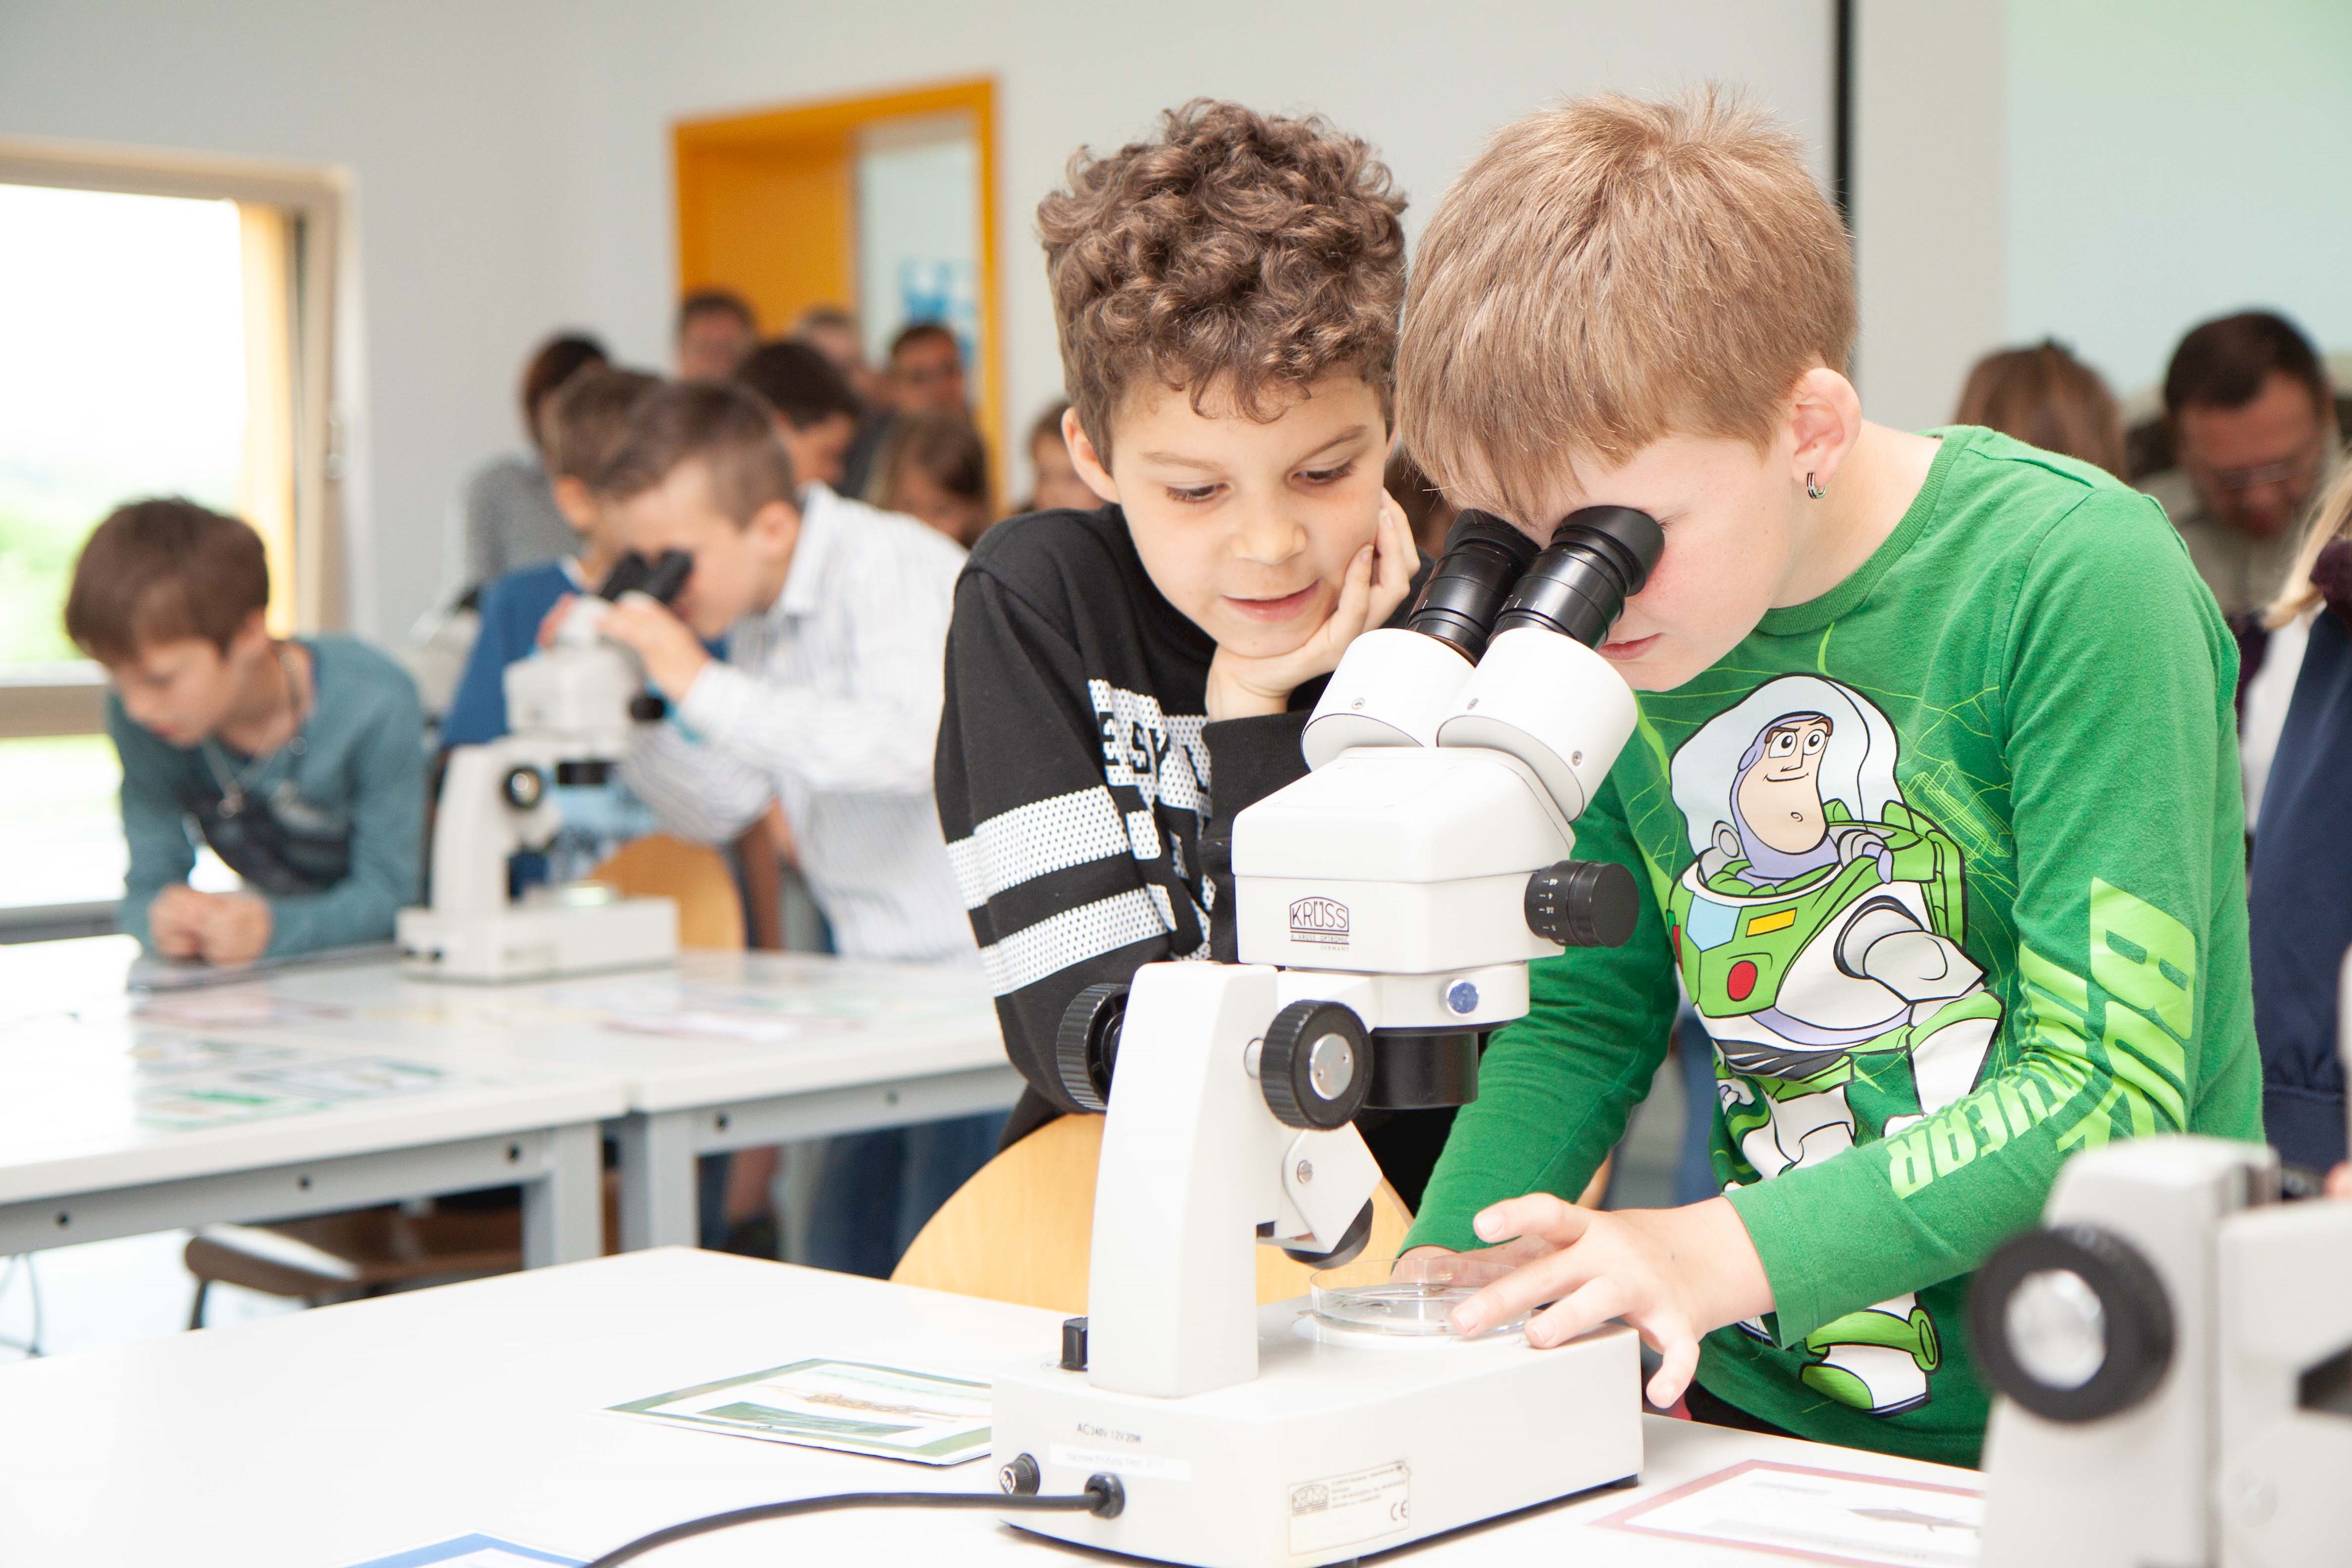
(1192, 494)
(1327, 475)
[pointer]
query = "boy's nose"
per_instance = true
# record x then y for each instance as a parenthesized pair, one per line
(1267, 537)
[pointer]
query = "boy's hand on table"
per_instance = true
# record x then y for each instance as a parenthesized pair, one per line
(1674, 1274)
(1377, 581)
(672, 655)
(233, 928)
(175, 921)
(2340, 1182)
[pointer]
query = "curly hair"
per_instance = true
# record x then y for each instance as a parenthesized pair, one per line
(1239, 255)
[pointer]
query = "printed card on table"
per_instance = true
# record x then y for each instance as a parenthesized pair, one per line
(854, 1407)
(471, 1551)
(1817, 1516)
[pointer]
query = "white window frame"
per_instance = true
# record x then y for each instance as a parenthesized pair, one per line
(70, 698)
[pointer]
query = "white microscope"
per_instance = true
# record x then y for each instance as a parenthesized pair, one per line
(1387, 905)
(2174, 1355)
(570, 711)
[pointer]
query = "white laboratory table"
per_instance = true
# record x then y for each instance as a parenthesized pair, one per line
(338, 1435)
(720, 1051)
(108, 1129)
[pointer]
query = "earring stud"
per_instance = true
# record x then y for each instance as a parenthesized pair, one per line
(1815, 491)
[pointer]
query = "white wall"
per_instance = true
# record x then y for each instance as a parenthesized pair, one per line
(2170, 160)
(512, 165)
(447, 113)
(1927, 210)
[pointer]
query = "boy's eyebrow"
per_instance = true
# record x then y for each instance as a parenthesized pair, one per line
(1178, 459)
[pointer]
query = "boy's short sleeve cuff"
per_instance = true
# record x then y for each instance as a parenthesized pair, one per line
(715, 705)
(1771, 1212)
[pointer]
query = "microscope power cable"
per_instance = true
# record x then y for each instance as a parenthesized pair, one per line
(1104, 1497)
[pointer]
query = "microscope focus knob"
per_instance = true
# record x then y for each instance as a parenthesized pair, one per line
(1583, 904)
(523, 788)
(648, 707)
(1085, 1048)
(1316, 1066)
(2074, 1323)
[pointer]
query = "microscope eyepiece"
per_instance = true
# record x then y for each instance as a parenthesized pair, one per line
(1484, 557)
(1597, 557)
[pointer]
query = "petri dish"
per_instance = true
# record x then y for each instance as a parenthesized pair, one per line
(1415, 1301)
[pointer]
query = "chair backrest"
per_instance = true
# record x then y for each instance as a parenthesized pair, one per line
(1023, 1228)
(709, 909)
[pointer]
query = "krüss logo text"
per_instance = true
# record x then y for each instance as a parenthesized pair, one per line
(1321, 920)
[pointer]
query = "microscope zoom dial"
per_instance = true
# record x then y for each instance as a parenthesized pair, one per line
(1085, 1048)
(1316, 1066)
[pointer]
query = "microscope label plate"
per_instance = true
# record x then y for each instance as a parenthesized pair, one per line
(1340, 1510)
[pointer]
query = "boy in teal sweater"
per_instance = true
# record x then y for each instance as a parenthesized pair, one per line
(1933, 797)
(300, 760)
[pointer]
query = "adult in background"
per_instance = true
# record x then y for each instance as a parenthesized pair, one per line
(832, 331)
(2299, 880)
(2046, 397)
(506, 515)
(925, 376)
(715, 332)
(935, 467)
(2251, 419)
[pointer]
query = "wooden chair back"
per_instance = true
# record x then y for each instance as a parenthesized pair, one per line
(696, 876)
(1023, 1228)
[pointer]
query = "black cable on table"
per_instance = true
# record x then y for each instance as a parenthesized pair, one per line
(1104, 1497)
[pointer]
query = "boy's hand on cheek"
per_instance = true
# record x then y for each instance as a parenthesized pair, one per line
(1674, 1274)
(235, 928)
(672, 655)
(1377, 581)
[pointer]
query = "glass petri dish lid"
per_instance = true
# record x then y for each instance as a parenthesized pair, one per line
(1415, 1301)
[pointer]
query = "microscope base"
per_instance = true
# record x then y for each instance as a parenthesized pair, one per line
(1335, 1449)
(537, 944)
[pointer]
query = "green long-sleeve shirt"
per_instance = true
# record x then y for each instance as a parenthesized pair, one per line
(1950, 863)
(329, 830)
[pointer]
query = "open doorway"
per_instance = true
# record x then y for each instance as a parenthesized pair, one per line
(883, 204)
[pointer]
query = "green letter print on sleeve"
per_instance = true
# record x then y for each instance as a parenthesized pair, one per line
(1819, 935)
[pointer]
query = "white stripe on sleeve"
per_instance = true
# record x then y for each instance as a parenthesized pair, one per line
(1073, 936)
(1026, 843)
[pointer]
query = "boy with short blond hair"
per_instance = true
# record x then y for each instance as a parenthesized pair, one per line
(1122, 681)
(1933, 801)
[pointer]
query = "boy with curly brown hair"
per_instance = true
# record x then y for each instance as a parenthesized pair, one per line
(1121, 682)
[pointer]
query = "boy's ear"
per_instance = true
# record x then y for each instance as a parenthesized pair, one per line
(775, 528)
(251, 633)
(576, 502)
(1085, 459)
(1825, 419)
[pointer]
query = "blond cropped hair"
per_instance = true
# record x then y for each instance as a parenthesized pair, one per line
(2330, 522)
(1608, 272)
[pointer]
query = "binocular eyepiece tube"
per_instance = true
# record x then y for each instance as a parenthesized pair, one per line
(1491, 578)
(1485, 558)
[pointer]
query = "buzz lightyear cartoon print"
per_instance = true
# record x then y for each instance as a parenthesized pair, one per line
(1819, 935)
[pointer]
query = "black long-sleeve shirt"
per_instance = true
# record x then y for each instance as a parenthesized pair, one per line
(1074, 772)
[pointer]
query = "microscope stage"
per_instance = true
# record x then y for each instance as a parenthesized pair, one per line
(1335, 1449)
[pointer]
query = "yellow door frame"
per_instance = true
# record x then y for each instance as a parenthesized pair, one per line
(829, 127)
